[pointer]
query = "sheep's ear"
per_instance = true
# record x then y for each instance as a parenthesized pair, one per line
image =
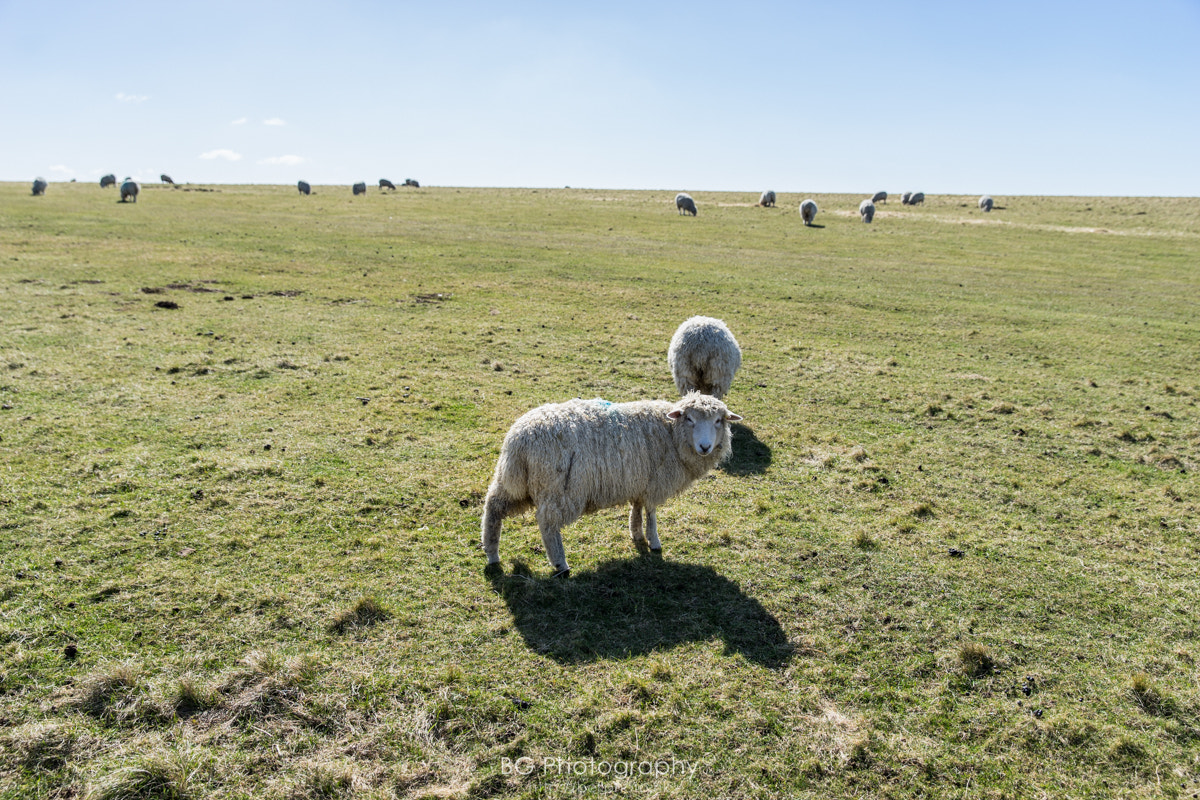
(732, 417)
(674, 413)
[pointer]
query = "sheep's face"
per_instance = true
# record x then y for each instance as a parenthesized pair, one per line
(705, 423)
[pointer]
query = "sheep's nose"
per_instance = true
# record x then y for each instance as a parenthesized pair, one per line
(703, 449)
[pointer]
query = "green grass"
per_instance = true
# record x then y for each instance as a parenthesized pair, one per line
(954, 553)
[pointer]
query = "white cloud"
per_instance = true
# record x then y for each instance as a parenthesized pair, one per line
(131, 98)
(274, 121)
(228, 155)
(62, 168)
(289, 161)
(239, 121)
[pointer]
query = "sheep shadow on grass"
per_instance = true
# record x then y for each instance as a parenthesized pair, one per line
(750, 456)
(632, 607)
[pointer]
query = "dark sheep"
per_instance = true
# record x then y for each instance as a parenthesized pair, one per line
(384, 183)
(684, 204)
(129, 190)
(304, 187)
(108, 180)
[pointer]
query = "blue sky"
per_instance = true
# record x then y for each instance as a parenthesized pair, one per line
(1091, 98)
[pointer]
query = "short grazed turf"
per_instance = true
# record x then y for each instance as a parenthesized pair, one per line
(244, 437)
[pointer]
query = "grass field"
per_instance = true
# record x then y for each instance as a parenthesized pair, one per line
(244, 437)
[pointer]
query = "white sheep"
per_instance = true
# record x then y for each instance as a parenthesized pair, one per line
(304, 188)
(808, 211)
(866, 210)
(684, 204)
(917, 197)
(578, 457)
(129, 190)
(906, 198)
(703, 357)
(767, 200)
(359, 188)
(879, 197)
(108, 180)
(986, 203)
(39, 187)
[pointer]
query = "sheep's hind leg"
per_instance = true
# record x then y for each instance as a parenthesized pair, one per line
(496, 507)
(652, 530)
(552, 541)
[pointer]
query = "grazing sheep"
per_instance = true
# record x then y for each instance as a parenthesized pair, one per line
(986, 203)
(879, 197)
(412, 183)
(905, 198)
(384, 183)
(39, 187)
(768, 199)
(359, 188)
(917, 197)
(575, 458)
(165, 178)
(129, 190)
(866, 210)
(304, 187)
(108, 180)
(808, 211)
(684, 204)
(703, 357)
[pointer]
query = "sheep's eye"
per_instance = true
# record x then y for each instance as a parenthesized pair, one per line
(719, 422)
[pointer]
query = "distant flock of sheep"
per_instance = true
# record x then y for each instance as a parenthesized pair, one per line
(569, 459)
(361, 187)
(130, 188)
(686, 204)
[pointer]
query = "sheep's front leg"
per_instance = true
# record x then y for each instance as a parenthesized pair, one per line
(635, 525)
(652, 530)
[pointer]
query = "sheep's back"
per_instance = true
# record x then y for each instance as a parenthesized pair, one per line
(603, 454)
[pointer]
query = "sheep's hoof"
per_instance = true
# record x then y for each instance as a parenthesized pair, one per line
(656, 550)
(493, 569)
(563, 573)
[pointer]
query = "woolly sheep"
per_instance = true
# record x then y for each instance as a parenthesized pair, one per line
(165, 178)
(906, 198)
(866, 210)
(108, 180)
(808, 211)
(917, 197)
(986, 203)
(129, 190)
(578, 457)
(684, 204)
(384, 183)
(703, 357)
(412, 183)
(359, 188)
(39, 187)
(304, 187)
(768, 199)
(879, 197)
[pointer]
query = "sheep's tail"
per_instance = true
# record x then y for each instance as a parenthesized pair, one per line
(501, 502)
